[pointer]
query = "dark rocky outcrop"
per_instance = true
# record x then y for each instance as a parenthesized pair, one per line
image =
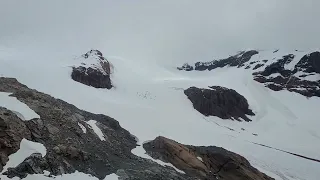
(219, 101)
(203, 162)
(293, 80)
(237, 60)
(12, 131)
(309, 63)
(34, 164)
(278, 66)
(97, 74)
(69, 149)
(185, 67)
(287, 80)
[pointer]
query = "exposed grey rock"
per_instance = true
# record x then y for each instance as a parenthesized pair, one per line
(308, 65)
(219, 101)
(237, 60)
(34, 164)
(185, 67)
(12, 131)
(68, 148)
(97, 75)
(217, 163)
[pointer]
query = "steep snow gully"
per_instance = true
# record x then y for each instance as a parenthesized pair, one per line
(148, 101)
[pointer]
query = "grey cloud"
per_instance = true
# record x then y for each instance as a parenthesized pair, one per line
(167, 31)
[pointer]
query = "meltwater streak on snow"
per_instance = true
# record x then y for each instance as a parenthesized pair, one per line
(96, 129)
(26, 149)
(21, 110)
(169, 113)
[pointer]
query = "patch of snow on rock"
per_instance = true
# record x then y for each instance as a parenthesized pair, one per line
(96, 129)
(26, 149)
(84, 130)
(139, 151)
(19, 108)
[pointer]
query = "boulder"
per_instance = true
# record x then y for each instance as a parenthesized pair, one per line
(219, 101)
(94, 70)
(203, 162)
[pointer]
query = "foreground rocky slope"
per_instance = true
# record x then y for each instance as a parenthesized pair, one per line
(296, 72)
(219, 101)
(69, 148)
(72, 143)
(206, 162)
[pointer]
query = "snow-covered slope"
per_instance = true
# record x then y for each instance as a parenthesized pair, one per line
(148, 100)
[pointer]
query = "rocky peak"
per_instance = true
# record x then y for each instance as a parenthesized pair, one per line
(93, 70)
(276, 72)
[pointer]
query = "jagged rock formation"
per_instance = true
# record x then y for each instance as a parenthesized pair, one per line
(185, 67)
(291, 80)
(237, 60)
(204, 162)
(94, 70)
(219, 101)
(285, 73)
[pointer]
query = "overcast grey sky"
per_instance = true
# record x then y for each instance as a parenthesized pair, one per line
(160, 30)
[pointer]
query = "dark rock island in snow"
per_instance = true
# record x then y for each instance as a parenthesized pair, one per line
(94, 70)
(219, 101)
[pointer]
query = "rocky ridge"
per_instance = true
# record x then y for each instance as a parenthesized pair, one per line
(285, 72)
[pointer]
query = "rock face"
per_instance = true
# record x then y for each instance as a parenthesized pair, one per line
(203, 162)
(94, 70)
(35, 164)
(12, 131)
(279, 73)
(185, 67)
(69, 149)
(219, 101)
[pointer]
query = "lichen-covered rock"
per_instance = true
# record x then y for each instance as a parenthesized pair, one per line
(219, 101)
(203, 162)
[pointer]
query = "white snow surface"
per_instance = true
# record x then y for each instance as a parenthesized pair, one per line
(84, 129)
(96, 129)
(17, 107)
(283, 120)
